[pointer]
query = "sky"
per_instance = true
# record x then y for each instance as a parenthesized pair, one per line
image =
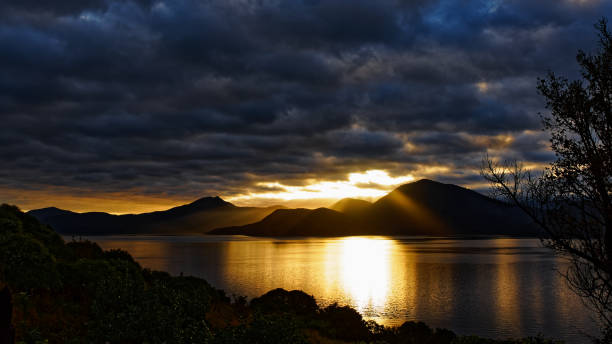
(133, 106)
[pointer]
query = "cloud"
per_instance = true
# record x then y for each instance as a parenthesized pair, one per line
(370, 184)
(183, 99)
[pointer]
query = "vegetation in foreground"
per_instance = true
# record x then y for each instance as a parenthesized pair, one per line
(57, 292)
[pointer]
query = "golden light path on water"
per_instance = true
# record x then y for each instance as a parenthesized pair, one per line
(495, 287)
(365, 267)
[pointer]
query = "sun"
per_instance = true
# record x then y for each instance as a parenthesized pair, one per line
(365, 185)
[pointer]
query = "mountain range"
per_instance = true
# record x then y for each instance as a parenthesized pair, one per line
(424, 207)
(194, 218)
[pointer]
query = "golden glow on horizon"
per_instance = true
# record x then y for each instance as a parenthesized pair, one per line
(368, 184)
(73, 199)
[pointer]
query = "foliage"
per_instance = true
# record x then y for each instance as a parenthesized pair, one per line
(27, 264)
(343, 322)
(264, 328)
(76, 292)
(528, 340)
(282, 301)
(572, 199)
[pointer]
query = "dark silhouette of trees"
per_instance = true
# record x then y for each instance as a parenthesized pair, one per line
(344, 323)
(282, 301)
(571, 199)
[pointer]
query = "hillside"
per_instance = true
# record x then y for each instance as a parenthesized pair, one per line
(296, 222)
(197, 217)
(426, 207)
(351, 206)
(423, 207)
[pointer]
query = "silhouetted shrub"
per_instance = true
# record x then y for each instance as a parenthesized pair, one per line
(443, 335)
(264, 329)
(282, 301)
(174, 309)
(26, 264)
(418, 332)
(120, 255)
(343, 322)
(528, 340)
(76, 292)
(85, 249)
(13, 220)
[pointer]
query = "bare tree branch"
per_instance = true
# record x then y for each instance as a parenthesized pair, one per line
(571, 199)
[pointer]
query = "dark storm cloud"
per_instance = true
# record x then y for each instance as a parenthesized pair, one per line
(194, 97)
(333, 24)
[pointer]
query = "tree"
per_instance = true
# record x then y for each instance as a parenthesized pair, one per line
(571, 199)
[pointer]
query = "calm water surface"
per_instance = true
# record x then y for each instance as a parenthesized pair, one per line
(497, 287)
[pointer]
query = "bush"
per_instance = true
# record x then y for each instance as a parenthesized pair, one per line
(343, 322)
(76, 292)
(264, 329)
(25, 264)
(282, 301)
(84, 249)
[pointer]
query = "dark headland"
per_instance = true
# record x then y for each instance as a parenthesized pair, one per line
(423, 207)
(197, 217)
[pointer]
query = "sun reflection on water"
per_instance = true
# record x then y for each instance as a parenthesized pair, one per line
(494, 287)
(365, 270)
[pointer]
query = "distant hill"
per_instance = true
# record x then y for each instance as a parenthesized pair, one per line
(424, 207)
(46, 213)
(351, 206)
(197, 217)
(296, 222)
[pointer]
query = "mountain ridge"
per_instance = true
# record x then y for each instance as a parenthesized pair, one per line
(423, 207)
(350, 205)
(197, 217)
(293, 222)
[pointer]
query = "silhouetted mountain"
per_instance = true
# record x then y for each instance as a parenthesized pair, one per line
(351, 206)
(296, 222)
(196, 217)
(45, 213)
(202, 204)
(424, 207)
